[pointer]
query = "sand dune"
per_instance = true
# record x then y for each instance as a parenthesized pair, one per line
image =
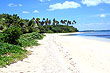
(65, 54)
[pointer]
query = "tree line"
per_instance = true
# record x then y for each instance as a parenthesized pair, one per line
(46, 21)
(35, 24)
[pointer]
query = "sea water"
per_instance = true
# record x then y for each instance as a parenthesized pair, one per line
(103, 35)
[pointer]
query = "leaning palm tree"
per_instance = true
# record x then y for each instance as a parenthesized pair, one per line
(57, 22)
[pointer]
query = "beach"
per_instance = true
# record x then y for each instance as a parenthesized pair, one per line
(60, 53)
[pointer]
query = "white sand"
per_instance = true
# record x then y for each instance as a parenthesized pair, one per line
(65, 54)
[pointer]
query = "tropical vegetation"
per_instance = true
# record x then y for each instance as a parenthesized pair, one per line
(17, 33)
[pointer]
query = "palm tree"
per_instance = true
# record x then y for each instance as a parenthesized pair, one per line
(42, 22)
(37, 21)
(49, 22)
(61, 21)
(46, 22)
(54, 21)
(57, 22)
(65, 21)
(68, 22)
(74, 22)
(43, 19)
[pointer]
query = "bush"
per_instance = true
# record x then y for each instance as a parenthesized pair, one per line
(33, 35)
(25, 42)
(12, 34)
(49, 31)
(29, 39)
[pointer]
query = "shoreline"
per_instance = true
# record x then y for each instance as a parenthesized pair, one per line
(65, 54)
(90, 37)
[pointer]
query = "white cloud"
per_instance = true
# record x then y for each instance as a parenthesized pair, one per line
(101, 9)
(103, 15)
(95, 2)
(41, 0)
(14, 5)
(25, 12)
(20, 5)
(64, 5)
(44, 0)
(35, 11)
(49, 0)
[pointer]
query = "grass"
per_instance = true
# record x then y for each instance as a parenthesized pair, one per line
(11, 53)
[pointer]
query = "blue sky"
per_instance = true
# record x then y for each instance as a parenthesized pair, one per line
(89, 14)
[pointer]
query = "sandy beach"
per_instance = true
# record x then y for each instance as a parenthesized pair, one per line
(59, 53)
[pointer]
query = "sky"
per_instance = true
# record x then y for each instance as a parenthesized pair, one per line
(89, 14)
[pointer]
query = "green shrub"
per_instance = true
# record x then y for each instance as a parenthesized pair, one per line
(29, 39)
(49, 31)
(12, 34)
(25, 42)
(33, 35)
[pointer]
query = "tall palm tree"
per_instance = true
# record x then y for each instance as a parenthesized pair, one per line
(74, 22)
(49, 22)
(54, 21)
(68, 22)
(42, 22)
(65, 21)
(43, 19)
(46, 21)
(62, 21)
(38, 21)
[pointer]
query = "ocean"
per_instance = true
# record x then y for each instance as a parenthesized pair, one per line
(103, 35)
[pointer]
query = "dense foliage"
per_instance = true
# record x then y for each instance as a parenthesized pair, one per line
(12, 34)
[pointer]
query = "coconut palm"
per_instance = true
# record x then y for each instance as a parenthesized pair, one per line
(57, 22)
(68, 22)
(74, 22)
(54, 21)
(49, 22)
(38, 21)
(46, 21)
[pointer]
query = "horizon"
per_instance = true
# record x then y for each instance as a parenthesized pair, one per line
(89, 14)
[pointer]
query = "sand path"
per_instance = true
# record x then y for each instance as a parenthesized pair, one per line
(49, 57)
